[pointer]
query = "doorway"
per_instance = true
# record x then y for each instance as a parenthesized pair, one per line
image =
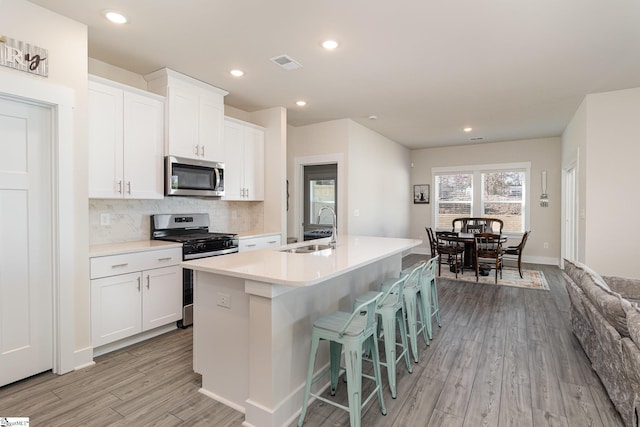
(320, 190)
(26, 239)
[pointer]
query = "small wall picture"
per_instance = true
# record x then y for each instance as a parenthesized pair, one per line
(421, 193)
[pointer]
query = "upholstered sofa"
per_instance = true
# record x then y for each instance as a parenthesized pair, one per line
(605, 317)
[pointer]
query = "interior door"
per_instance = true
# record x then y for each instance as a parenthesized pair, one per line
(320, 190)
(26, 278)
(570, 212)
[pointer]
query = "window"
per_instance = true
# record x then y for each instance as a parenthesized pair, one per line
(454, 198)
(496, 191)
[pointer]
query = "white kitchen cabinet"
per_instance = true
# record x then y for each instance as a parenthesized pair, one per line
(134, 292)
(125, 142)
(193, 116)
(244, 160)
(254, 243)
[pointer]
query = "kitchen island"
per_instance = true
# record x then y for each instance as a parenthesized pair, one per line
(253, 314)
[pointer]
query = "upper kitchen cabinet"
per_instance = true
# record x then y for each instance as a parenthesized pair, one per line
(125, 142)
(193, 117)
(244, 160)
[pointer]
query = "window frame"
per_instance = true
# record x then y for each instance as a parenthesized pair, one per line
(477, 185)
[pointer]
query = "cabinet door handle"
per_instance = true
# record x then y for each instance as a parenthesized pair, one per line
(119, 187)
(271, 242)
(124, 264)
(129, 186)
(148, 281)
(164, 259)
(203, 151)
(138, 283)
(251, 245)
(196, 149)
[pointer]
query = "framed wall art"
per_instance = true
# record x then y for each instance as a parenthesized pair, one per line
(421, 193)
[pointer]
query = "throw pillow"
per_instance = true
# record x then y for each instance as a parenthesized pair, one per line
(633, 323)
(610, 304)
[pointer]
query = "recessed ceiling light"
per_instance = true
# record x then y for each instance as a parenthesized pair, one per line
(373, 117)
(329, 44)
(115, 16)
(237, 73)
(301, 103)
(467, 129)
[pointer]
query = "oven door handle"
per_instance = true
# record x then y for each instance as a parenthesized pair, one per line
(187, 257)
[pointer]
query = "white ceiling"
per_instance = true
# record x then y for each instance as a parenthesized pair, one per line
(511, 69)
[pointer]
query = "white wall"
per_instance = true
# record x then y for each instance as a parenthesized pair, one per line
(374, 167)
(327, 138)
(66, 42)
(544, 154)
(379, 184)
(611, 181)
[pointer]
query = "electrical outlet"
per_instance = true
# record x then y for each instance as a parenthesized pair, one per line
(234, 215)
(356, 212)
(105, 219)
(224, 300)
(546, 245)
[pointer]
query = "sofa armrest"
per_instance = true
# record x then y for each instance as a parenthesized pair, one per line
(628, 288)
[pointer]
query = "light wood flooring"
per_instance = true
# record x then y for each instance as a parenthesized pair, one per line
(503, 357)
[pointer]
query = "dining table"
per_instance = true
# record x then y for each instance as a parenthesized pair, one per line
(469, 242)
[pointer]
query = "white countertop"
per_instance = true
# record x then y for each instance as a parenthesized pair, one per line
(293, 269)
(129, 247)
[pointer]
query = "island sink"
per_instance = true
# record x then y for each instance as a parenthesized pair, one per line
(307, 249)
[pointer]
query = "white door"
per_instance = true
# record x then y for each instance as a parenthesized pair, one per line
(571, 223)
(26, 331)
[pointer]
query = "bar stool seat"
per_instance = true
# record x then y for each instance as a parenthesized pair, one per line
(351, 330)
(390, 309)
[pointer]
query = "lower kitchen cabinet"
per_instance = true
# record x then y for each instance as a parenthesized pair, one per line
(123, 305)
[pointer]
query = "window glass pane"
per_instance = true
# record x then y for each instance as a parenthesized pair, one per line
(323, 193)
(503, 198)
(454, 197)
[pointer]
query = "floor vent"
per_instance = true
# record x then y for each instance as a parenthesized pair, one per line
(286, 62)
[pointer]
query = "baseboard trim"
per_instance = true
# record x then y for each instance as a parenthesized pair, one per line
(125, 342)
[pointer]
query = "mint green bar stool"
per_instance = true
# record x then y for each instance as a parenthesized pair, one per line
(351, 330)
(432, 307)
(414, 306)
(390, 308)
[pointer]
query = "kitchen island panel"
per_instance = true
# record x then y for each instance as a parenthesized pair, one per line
(266, 357)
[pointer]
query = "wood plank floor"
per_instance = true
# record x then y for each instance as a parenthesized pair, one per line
(503, 357)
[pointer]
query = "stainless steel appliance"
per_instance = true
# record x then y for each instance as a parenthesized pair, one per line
(192, 230)
(190, 177)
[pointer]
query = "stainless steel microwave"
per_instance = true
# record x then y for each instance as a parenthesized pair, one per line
(191, 177)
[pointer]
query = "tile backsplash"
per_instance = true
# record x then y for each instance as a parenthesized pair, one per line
(129, 220)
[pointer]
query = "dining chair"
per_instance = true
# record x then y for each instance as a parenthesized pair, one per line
(450, 246)
(433, 243)
(514, 251)
(488, 250)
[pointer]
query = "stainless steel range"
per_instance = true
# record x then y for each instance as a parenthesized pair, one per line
(192, 230)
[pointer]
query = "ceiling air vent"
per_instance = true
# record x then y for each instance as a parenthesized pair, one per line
(286, 62)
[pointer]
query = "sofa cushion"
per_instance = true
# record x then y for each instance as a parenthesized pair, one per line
(610, 304)
(633, 323)
(578, 271)
(628, 288)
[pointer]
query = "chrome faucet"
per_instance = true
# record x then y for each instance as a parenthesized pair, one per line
(334, 230)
